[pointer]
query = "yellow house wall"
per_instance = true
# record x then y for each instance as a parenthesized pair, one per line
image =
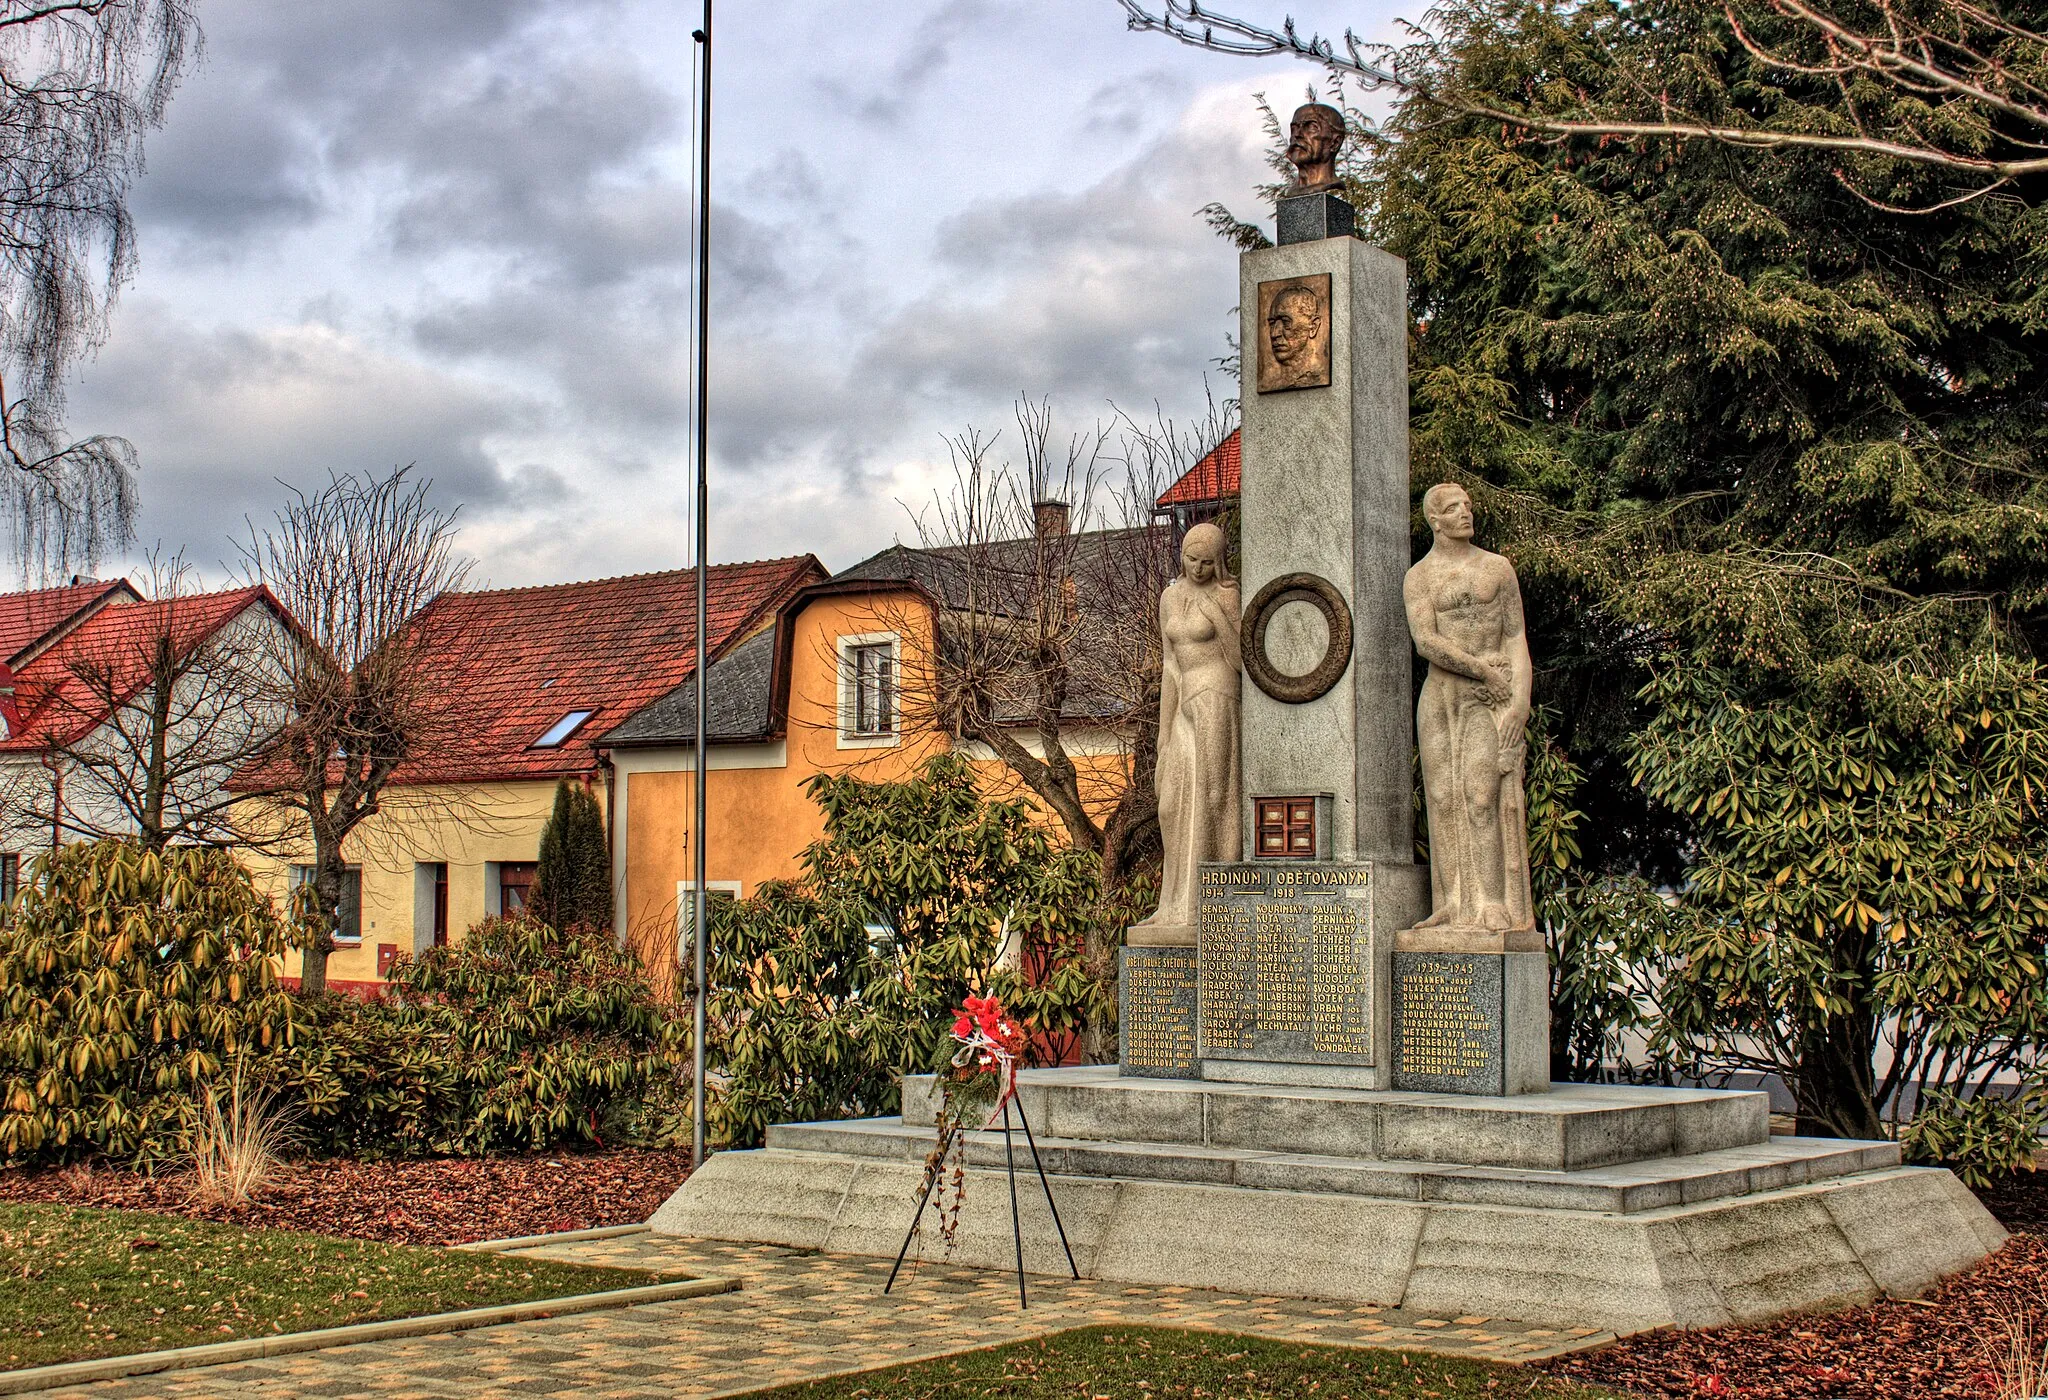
(469, 826)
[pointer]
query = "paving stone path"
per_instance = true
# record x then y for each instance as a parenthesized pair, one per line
(798, 1316)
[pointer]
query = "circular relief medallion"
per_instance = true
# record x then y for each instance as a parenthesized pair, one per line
(1318, 593)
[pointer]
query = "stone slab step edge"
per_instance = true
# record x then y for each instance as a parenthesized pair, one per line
(1626, 1189)
(1580, 1126)
(65, 1374)
(1825, 1244)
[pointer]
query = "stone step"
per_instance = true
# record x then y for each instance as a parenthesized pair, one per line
(1626, 1189)
(1737, 1259)
(1574, 1127)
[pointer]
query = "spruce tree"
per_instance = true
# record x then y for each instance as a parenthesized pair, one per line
(1763, 433)
(1768, 457)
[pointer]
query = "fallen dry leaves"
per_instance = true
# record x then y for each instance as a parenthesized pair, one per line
(1938, 1348)
(439, 1201)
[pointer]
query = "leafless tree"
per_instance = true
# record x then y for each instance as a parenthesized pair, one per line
(355, 564)
(1049, 574)
(150, 709)
(1944, 84)
(81, 81)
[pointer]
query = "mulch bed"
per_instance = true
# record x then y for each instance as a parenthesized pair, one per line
(1944, 1347)
(439, 1201)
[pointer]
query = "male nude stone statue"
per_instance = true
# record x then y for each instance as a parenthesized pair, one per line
(1465, 613)
(1314, 137)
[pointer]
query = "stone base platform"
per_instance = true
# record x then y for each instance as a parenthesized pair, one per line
(1619, 1208)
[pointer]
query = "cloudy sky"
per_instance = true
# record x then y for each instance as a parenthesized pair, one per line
(454, 232)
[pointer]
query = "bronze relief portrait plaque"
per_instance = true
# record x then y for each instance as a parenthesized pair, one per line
(1294, 333)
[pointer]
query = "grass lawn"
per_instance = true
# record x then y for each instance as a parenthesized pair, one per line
(1152, 1363)
(78, 1283)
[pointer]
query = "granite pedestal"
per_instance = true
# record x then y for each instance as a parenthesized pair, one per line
(1598, 1206)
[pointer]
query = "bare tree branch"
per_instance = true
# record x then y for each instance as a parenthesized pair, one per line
(1988, 68)
(357, 565)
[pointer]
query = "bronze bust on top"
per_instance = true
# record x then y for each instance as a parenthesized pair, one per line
(1314, 137)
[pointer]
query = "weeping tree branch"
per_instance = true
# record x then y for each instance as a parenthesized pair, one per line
(81, 81)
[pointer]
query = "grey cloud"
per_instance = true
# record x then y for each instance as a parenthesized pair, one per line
(616, 360)
(571, 192)
(888, 99)
(229, 167)
(461, 231)
(221, 416)
(245, 148)
(1132, 106)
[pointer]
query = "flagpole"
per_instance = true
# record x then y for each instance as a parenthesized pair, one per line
(698, 899)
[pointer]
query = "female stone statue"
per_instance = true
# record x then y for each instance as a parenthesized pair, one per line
(1197, 778)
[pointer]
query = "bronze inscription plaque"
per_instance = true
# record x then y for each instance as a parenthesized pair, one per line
(1156, 1024)
(1287, 963)
(1447, 1023)
(1294, 333)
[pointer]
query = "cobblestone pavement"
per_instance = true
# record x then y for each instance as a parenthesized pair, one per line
(797, 1316)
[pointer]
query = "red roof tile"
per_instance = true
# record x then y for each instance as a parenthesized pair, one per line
(522, 659)
(1214, 478)
(54, 705)
(26, 618)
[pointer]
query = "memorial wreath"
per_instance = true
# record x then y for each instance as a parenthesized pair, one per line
(976, 1080)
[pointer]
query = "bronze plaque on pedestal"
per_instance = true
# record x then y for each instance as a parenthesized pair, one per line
(1287, 963)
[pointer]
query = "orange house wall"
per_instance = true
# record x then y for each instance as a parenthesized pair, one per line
(760, 818)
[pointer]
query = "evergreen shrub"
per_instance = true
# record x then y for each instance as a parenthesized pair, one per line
(573, 886)
(129, 980)
(826, 988)
(132, 981)
(551, 1037)
(517, 1037)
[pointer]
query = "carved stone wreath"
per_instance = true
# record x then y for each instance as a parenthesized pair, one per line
(1318, 593)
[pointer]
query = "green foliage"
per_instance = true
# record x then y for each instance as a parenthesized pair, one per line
(573, 886)
(1766, 457)
(1604, 932)
(513, 1038)
(1980, 1138)
(1873, 862)
(129, 979)
(826, 988)
(1689, 384)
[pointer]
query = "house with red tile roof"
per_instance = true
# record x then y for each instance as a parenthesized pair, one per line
(95, 675)
(540, 674)
(32, 620)
(838, 684)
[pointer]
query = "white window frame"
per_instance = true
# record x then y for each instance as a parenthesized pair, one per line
(686, 909)
(848, 645)
(303, 875)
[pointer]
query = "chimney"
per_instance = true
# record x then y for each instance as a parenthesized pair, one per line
(1050, 517)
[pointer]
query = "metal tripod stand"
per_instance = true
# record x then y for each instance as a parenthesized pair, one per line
(1016, 1220)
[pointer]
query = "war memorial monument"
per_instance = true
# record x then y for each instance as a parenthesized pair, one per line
(1335, 1061)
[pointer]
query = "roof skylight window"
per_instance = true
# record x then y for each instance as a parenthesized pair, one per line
(565, 726)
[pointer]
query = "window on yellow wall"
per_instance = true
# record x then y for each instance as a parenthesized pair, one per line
(874, 689)
(686, 908)
(349, 927)
(869, 702)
